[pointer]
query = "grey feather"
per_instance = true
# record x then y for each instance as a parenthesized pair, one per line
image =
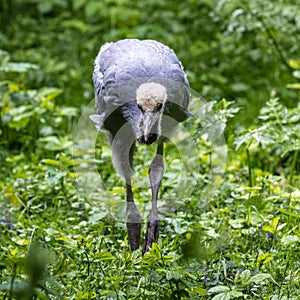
(121, 72)
(98, 120)
(122, 66)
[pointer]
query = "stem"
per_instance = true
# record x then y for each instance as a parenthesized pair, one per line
(177, 288)
(88, 263)
(116, 291)
(249, 167)
(1, 124)
(275, 43)
(171, 286)
(293, 167)
(13, 276)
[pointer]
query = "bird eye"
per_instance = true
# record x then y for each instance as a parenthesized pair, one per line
(140, 107)
(159, 106)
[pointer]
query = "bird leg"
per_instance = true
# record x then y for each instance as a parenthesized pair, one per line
(133, 219)
(156, 172)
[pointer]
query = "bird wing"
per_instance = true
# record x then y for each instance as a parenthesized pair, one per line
(122, 66)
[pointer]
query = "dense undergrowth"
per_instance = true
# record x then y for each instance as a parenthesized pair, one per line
(234, 235)
(239, 239)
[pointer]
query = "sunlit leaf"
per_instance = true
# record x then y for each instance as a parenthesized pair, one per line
(295, 64)
(172, 275)
(219, 289)
(295, 86)
(103, 256)
(51, 162)
(290, 239)
(264, 258)
(200, 291)
(17, 67)
(68, 111)
(259, 277)
(286, 212)
(268, 228)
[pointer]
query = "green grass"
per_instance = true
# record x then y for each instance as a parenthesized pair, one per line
(228, 231)
(236, 237)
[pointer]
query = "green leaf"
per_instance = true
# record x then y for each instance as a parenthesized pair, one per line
(153, 255)
(54, 178)
(285, 212)
(92, 7)
(77, 4)
(275, 222)
(53, 143)
(200, 291)
(237, 223)
(68, 111)
(20, 67)
(235, 294)
(259, 277)
(45, 6)
(245, 275)
(20, 116)
(239, 87)
(218, 289)
(173, 275)
(103, 256)
(50, 162)
(224, 293)
(222, 296)
(47, 94)
(78, 25)
(242, 140)
(97, 216)
(268, 228)
(264, 258)
(290, 239)
(293, 86)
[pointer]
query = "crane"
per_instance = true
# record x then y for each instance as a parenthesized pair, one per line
(141, 94)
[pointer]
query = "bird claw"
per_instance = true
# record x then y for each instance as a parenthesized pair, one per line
(152, 234)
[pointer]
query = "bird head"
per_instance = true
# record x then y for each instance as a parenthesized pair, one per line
(151, 98)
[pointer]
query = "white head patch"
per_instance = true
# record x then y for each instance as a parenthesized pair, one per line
(149, 94)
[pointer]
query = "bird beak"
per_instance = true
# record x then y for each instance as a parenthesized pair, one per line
(149, 120)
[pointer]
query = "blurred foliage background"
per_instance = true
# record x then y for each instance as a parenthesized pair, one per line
(239, 50)
(241, 241)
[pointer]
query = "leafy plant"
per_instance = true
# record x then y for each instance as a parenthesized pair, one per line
(233, 237)
(278, 136)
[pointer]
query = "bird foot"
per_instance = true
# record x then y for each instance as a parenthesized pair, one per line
(152, 234)
(134, 234)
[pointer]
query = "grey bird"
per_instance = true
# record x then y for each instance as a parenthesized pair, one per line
(141, 93)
